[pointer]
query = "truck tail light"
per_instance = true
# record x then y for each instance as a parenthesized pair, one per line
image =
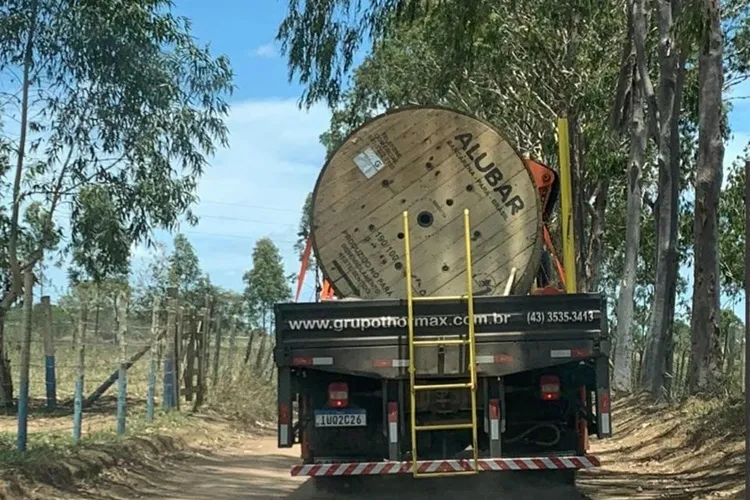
(338, 394)
(550, 386)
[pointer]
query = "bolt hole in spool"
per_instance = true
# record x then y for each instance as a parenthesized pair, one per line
(425, 219)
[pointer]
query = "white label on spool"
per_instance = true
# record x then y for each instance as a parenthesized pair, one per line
(369, 162)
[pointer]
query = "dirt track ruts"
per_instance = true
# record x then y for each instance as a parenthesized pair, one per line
(259, 470)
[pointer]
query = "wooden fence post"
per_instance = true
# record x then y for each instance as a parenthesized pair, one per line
(229, 370)
(121, 312)
(179, 332)
(202, 349)
(169, 358)
(50, 379)
(189, 376)
(261, 351)
(153, 363)
(23, 389)
(217, 349)
(80, 345)
(249, 349)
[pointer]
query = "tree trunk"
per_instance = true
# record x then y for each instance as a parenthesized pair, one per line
(593, 264)
(671, 76)
(705, 370)
(622, 380)
(6, 380)
(249, 348)
(578, 187)
(261, 351)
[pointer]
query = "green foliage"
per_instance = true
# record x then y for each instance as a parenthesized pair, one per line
(150, 282)
(123, 110)
(265, 283)
(732, 231)
(184, 268)
(101, 245)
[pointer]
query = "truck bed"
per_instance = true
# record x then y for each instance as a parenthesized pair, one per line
(513, 334)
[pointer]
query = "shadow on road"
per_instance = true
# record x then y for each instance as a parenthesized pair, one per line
(261, 471)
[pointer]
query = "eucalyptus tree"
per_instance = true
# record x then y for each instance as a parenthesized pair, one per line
(113, 101)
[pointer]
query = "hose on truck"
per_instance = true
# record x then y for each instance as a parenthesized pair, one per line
(538, 442)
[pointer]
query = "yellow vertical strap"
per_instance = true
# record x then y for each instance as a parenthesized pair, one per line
(412, 367)
(566, 206)
(472, 345)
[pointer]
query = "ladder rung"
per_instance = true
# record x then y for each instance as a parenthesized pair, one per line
(444, 387)
(443, 427)
(432, 298)
(436, 343)
(445, 474)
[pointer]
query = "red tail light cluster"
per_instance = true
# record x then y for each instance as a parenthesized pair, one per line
(550, 387)
(338, 394)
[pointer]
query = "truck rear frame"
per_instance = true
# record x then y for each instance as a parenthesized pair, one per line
(525, 345)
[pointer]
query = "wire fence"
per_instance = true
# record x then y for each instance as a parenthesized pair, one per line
(62, 361)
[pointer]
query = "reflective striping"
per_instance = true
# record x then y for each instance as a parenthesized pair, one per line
(559, 353)
(605, 423)
(494, 419)
(494, 359)
(390, 363)
(428, 466)
(569, 353)
(393, 422)
(604, 408)
(284, 422)
(312, 361)
(284, 434)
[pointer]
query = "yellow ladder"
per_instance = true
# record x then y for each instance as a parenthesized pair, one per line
(471, 385)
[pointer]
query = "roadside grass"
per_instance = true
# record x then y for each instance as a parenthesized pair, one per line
(240, 399)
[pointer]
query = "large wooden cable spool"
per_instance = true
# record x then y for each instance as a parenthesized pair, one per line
(433, 162)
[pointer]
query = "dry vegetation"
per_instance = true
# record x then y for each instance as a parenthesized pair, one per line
(239, 402)
(694, 450)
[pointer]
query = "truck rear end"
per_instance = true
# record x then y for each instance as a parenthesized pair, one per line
(541, 388)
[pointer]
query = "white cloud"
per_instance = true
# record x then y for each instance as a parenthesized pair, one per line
(256, 187)
(267, 50)
(252, 189)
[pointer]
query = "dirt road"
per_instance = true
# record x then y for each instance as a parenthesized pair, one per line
(258, 470)
(655, 454)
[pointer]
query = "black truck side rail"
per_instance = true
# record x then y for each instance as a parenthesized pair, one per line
(513, 334)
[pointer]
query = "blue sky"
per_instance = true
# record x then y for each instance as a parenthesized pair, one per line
(256, 187)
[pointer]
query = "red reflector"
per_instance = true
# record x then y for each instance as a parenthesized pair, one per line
(392, 412)
(503, 358)
(550, 387)
(283, 414)
(302, 361)
(604, 402)
(338, 394)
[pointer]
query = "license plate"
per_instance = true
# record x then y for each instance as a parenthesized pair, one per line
(340, 418)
